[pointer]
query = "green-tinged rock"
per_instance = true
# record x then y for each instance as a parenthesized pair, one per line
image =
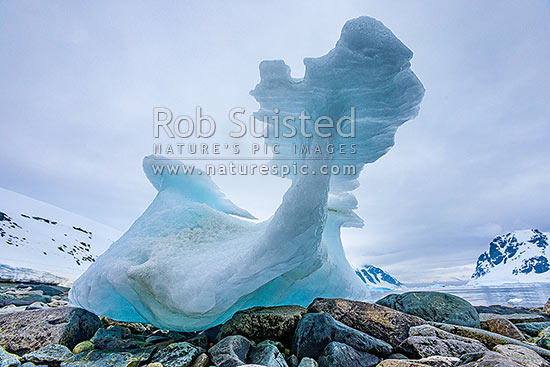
(27, 331)
(543, 339)
(278, 344)
(533, 328)
(434, 306)
(177, 355)
(50, 355)
(261, 323)
(8, 359)
(97, 358)
(381, 322)
(521, 355)
(546, 308)
(83, 346)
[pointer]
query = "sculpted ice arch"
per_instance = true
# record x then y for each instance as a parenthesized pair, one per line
(189, 262)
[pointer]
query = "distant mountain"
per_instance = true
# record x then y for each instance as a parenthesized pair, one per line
(519, 256)
(39, 236)
(376, 277)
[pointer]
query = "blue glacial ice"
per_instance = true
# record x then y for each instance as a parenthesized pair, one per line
(189, 261)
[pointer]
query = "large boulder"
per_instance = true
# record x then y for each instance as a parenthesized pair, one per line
(261, 323)
(50, 355)
(231, 351)
(27, 331)
(521, 355)
(342, 355)
(434, 306)
(503, 327)
(381, 322)
(267, 355)
(316, 330)
(425, 341)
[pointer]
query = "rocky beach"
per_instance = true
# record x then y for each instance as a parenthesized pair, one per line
(413, 329)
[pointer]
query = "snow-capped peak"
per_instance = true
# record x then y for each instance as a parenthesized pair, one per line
(375, 277)
(39, 236)
(519, 256)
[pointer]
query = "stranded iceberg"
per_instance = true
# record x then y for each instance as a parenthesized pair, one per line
(189, 262)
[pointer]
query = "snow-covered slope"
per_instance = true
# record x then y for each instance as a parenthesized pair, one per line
(45, 238)
(519, 256)
(375, 277)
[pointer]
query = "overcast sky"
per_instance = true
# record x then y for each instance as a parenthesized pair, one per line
(78, 83)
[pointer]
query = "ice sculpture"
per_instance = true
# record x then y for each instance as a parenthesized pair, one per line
(189, 263)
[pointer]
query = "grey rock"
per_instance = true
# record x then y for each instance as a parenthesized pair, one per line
(112, 339)
(342, 355)
(316, 330)
(426, 341)
(27, 331)
(379, 321)
(490, 339)
(261, 323)
(434, 306)
(8, 359)
(492, 359)
(308, 362)
(433, 361)
(97, 358)
(521, 355)
(177, 355)
(267, 355)
(51, 355)
(231, 351)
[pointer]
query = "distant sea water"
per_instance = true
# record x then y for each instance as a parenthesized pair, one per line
(514, 294)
